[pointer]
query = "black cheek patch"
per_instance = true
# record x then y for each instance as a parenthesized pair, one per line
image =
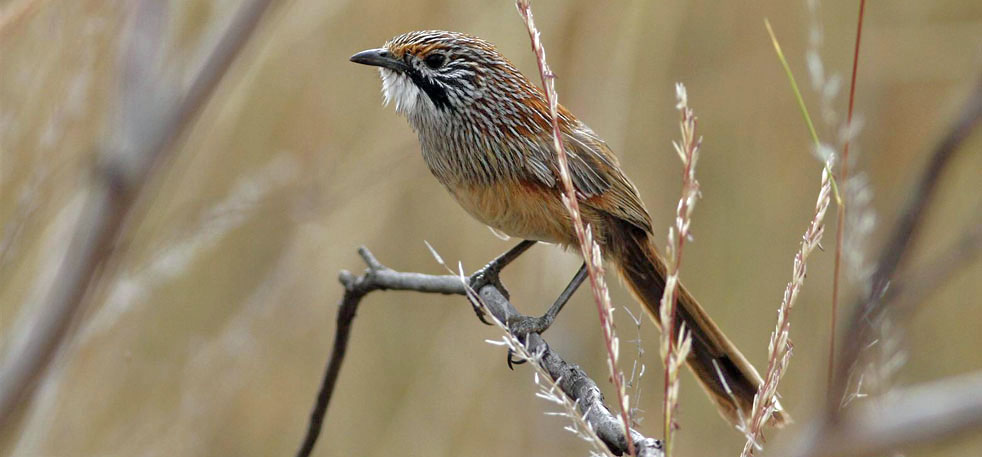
(436, 92)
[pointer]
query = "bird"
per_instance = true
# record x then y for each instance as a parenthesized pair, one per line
(485, 131)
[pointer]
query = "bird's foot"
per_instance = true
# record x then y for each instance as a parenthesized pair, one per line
(487, 276)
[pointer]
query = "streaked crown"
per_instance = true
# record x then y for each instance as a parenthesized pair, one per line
(436, 73)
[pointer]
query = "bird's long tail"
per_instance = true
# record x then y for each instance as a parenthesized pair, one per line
(645, 272)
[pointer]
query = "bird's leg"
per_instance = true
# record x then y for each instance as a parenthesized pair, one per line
(489, 274)
(526, 325)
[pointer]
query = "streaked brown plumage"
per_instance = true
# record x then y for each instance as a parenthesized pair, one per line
(485, 134)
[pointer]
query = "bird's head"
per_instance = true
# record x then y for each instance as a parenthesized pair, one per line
(440, 74)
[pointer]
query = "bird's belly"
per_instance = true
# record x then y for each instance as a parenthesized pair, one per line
(516, 208)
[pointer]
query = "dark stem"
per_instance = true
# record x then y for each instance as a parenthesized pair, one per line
(346, 315)
(841, 212)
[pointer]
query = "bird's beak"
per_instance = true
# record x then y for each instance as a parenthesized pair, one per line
(379, 58)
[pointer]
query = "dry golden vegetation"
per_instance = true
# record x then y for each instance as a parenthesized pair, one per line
(208, 329)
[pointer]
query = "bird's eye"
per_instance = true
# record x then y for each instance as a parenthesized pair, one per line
(435, 61)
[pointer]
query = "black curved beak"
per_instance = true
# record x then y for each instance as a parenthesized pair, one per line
(379, 58)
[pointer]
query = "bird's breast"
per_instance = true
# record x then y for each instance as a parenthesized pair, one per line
(517, 208)
(465, 153)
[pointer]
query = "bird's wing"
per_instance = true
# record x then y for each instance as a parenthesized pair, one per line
(595, 173)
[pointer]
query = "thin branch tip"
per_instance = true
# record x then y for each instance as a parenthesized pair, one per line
(370, 259)
(346, 278)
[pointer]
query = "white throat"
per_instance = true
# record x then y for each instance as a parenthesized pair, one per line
(399, 88)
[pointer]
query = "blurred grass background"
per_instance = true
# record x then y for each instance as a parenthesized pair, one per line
(212, 333)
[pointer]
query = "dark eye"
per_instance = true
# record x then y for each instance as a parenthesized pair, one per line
(435, 61)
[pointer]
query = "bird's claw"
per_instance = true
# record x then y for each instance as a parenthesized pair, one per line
(487, 276)
(512, 361)
(481, 314)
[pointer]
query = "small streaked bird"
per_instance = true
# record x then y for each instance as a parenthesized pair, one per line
(486, 134)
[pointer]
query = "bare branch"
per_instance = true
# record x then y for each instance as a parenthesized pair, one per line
(574, 382)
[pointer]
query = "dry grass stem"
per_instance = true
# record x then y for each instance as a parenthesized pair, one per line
(674, 351)
(588, 247)
(780, 347)
(828, 90)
